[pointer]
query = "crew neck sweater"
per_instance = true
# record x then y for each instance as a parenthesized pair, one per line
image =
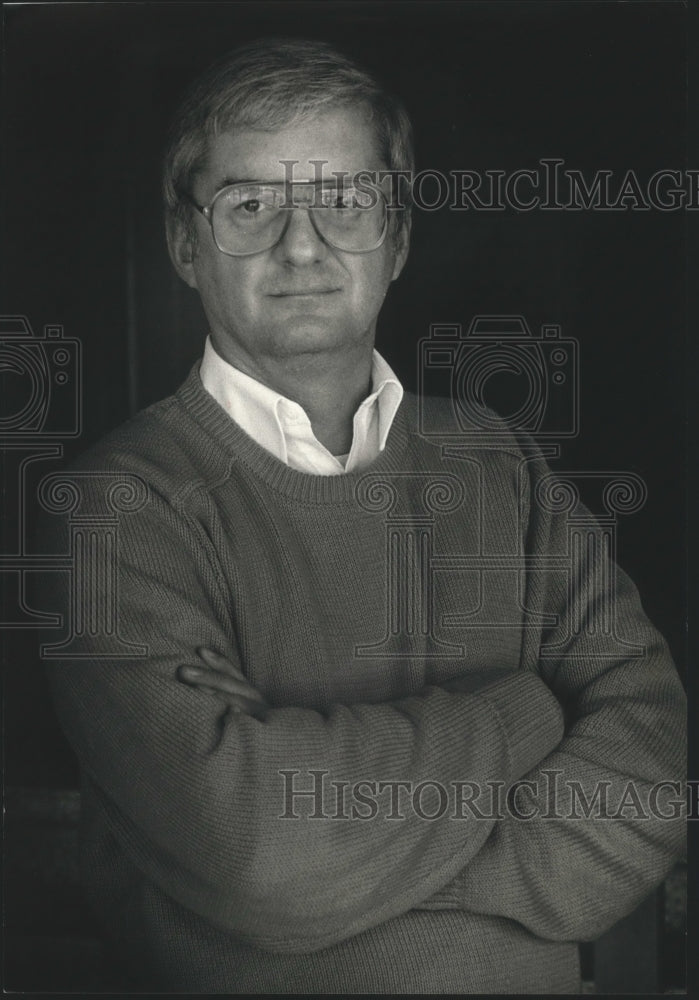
(200, 879)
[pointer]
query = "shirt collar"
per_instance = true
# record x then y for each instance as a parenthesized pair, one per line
(387, 391)
(258, 409)
(250, 403)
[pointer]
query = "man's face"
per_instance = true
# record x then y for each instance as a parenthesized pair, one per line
(302, 296)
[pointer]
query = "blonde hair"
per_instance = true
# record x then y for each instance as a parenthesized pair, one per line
(269, 84)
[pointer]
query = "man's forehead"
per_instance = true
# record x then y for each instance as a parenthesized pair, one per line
(342, 140)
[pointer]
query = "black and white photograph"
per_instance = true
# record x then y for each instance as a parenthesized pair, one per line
(344, 366)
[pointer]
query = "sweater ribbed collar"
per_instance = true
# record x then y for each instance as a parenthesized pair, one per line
(222, 433)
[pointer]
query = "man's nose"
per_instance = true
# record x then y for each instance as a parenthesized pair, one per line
(301, 244)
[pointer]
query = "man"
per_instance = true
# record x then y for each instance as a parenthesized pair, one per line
(237, 835)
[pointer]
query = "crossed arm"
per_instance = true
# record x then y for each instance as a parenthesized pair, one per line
(547, 864)
(192, 790)
(220, 676)
(189, 774)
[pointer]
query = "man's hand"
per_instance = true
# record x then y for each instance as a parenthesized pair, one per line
(222, 678)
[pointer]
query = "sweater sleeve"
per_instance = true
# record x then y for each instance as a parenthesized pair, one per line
(198, 797)
(602, 819)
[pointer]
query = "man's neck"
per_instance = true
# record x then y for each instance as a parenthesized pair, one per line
(328, 385)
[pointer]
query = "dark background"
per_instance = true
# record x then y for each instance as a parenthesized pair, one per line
(88, 89)
(88, 93)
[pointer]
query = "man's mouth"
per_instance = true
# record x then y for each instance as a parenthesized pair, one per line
(302, 292)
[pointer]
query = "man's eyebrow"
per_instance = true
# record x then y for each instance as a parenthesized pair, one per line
(228, 181)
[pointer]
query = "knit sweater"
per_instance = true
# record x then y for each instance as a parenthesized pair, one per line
(206, 869)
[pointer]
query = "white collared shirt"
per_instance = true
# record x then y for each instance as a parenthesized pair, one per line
(282, 426)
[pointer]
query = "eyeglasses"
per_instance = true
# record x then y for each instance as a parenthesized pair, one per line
(248, 218)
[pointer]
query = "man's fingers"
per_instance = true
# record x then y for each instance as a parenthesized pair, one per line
(258, 710)
(218, 681)
(244, 706)
(219, 662)
(223, 678)
(239, 695)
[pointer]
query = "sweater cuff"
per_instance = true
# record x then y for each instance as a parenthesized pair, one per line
(531, 717)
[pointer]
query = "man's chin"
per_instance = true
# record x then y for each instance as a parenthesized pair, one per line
(311, 335)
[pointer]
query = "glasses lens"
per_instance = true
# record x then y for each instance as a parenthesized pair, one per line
(352, 219)
(249, 218)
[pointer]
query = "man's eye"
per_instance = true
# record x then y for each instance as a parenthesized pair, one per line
(342, 201)
(349, 200)
(250, 207)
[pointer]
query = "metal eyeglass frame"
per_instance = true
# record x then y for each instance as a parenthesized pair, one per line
(208, 212)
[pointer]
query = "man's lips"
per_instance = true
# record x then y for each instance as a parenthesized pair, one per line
(293, 293)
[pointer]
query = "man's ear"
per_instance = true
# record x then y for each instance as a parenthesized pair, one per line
(181, 246)
(401, 244)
